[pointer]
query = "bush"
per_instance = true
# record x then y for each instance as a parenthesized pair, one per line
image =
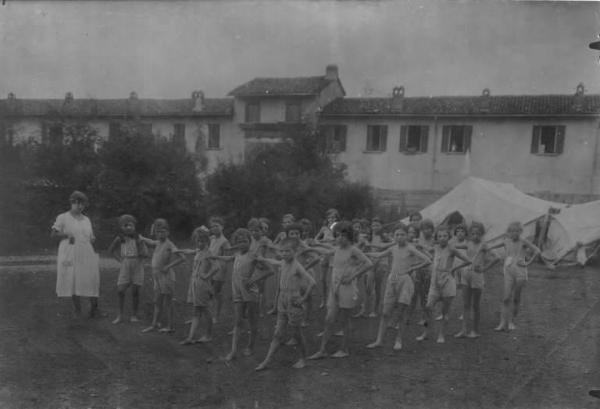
(291, 177)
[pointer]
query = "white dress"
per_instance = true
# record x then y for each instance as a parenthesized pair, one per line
(78, 271)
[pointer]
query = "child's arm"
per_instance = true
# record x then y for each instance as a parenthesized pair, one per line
(222, 258)
(494, 259)
(381, 247)
(311, 283)
(535, 250)
(113, 247)
(461, 256)
(381, 254)
(180, 259)
(266, 260)
(186, 252)
(365, 265)
(148, 241)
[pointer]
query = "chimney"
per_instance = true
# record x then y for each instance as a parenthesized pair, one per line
(197, 101)
(68, 97)
(331, 73)
(398, 99)
(484, 105)
(11, 96)
(133, 105)
(11, 103)
(578, 97)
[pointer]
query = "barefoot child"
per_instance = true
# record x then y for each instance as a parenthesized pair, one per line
(399, 289)
(325, 235)
(295, 285)
(443, 283)
(473, 279)
(244, 290)
(286, 220)
(259, 245)
(200, 291)
(422, 277)
(459, 242)
(163, 275)
(515, 273)
(132, 251)
(218, 247)
(348, 264)
(377, 275)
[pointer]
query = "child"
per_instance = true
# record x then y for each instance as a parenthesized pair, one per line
(325, 235)
(292, 296)
(218, 247)
(399, 289)
(163, 275)
(472, 278)
(443, 283)
(286, 220)
(244, 290)
(259, 245)
(132, 251)
(348, 264)
(459, 242)
(515, 273)
(377, 275)
(200, 290)
(422, 277)
(414, 219)
(307, 230)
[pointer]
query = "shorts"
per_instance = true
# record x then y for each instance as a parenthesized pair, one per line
(471, 279)
(239, 292)
(399, 290)
(164, 284)
(439, 290)
(131, 272)
(200, 293)
(513, 275)
(343, 296)
(292, 316)
(458, 277)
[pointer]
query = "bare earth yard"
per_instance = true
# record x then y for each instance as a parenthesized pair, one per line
(50, 360)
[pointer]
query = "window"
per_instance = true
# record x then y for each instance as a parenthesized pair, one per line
(333, 138)
(253, 112)
(376, 138)
(55, 134)
(292, 112)
(548, 140)
(414, 138)
(214, 136)
(114, 131)
(179, 135)
(456, 138)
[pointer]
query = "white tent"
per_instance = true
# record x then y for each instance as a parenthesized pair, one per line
(575, 224)
(492, 203)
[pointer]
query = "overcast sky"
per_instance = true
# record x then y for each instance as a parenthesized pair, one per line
(167, 49)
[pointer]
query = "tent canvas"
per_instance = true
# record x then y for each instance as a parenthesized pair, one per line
(494, 204)
(574, 224)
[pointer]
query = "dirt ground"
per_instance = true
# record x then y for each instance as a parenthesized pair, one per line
(50, 360)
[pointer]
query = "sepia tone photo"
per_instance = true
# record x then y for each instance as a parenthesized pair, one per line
(300, 204)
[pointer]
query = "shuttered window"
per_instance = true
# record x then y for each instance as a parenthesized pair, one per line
(376, 138)
(456, 138)
(414, 138)
(214, 136)
(332, 138)
(253, 112)
(548, 139)
(179, 135)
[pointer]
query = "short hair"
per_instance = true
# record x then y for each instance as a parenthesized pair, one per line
(477, 226)
(442, 228)
(264, 224)
(289, 241)
(401, 226)
(516, 225)
(200, 233)
(412, 215)
(159, 224)
(415, 228)
(344, 228)
(332, 212)
(460, 226)
(78, 197)
(294, 226)
(427, 223)
(288, 216)
(254, 223)
(241, 233)
(216, 220)
(125, 219)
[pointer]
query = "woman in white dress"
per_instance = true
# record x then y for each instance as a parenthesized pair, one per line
(78, 272)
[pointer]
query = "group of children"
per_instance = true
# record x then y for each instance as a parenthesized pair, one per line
(356, 265)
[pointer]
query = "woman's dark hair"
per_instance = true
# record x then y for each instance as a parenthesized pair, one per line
(78, 197)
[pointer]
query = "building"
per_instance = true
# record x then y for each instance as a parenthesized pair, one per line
(409, 149)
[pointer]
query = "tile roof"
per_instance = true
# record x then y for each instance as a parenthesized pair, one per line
(115, 107)
(496, 105)
(281, 86)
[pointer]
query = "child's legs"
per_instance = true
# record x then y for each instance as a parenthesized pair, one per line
(252, 313)
(467, 305)
(403, 310)
(476, 304)
(135, 298)
(299, 336)
(121, 289)
(332, 312)
(195, 322)
(307, 308)
(238, 317)
(76, 303)
(158, 308)
(345, 317)
(218, 290)
(168, 308)
(518, 289)
(205, 311)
